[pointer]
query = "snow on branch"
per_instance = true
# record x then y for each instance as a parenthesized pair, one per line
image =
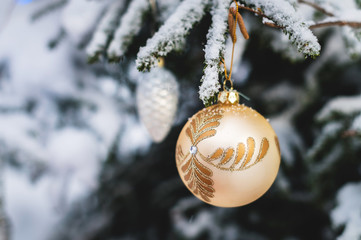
(356, 124)
(106, 26)
(355, 128)
(172, 34)
(130, 25)
(284, 16)
(348, 211)
(339, 14)
(343, 13)
(340, 105)
(165, 8)
(214, 50)
(48, 8)
(319, 8)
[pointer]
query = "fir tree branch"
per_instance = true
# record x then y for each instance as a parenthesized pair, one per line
(130, 25)
(214, 50)
(353, 24)
(50, 7)
(259, 13)
(336, 23)
(317, 7)
(283, 15)
(172, 34)
(7, 17)
(323, 24)
(54, 42)
(350, 133)
(104, 31)
(240, 6)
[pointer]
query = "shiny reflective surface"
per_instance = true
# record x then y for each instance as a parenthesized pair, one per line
(237, 159)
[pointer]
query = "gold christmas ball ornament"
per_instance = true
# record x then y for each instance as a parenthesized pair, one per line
(227, 154)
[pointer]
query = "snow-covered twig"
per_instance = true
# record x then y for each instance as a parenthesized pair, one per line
(345, 105)
(347, 212)
(335, 20)
(130, 25)
(50, 7)
(327, 23)
(336, 15)
(4, 221)
(165, 8)
(352, 24)
(172, 34)
(283, 15)
(214, 50)
(105, 27)
(317, 7)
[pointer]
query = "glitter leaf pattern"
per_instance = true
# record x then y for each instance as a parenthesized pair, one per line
(221, 158)
(197, 175)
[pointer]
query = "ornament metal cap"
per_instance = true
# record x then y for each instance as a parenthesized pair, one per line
(228, 97)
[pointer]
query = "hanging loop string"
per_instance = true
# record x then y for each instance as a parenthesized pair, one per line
(234, 42)
(234, 18)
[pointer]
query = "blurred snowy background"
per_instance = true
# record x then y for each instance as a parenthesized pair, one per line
(76, 163)
(58, 120)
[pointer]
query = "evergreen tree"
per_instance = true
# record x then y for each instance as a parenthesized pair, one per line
(78, 127)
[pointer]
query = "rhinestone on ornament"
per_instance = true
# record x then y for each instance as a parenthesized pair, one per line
(193, 150)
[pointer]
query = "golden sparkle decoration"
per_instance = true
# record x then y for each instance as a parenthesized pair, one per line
(228, 154)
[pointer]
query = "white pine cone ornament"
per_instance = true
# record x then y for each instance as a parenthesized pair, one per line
(157, 100)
